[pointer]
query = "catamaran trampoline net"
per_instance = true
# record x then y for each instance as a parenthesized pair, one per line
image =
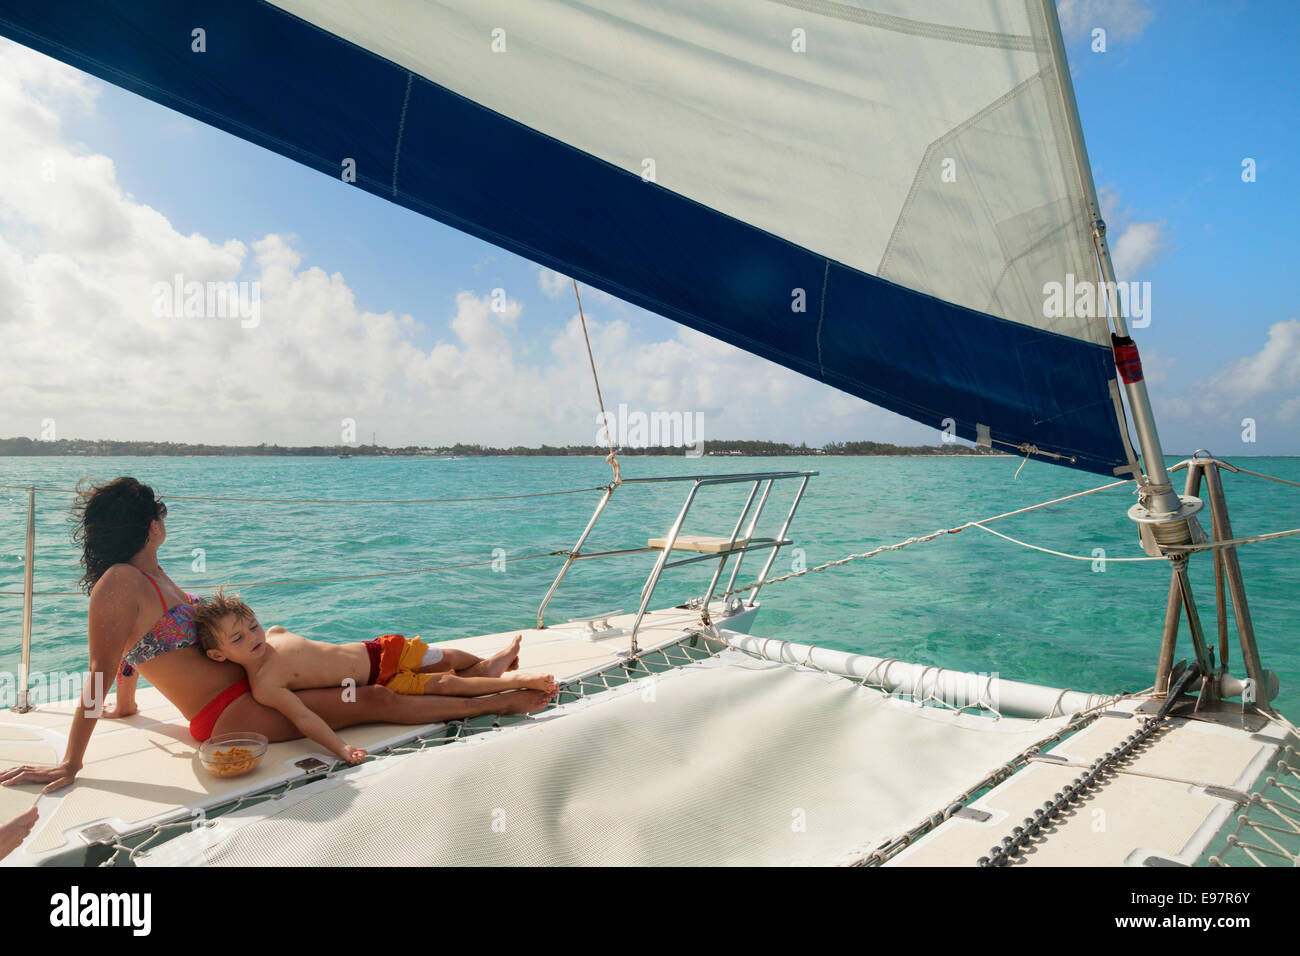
(727, 760)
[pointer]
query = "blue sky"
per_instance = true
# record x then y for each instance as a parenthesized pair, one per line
(1183, 93)
(1169, 117)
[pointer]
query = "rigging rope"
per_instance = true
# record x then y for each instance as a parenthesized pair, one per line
(1059, 554)
(937, 534)
(612, 457)
(343, 577)
(336, 501)
(1187, 549)
(1235, 469)
(1232, 543)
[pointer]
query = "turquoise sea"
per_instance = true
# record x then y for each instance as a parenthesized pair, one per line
(968, 601)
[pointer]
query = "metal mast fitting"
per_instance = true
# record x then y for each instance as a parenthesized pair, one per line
(1164, 518)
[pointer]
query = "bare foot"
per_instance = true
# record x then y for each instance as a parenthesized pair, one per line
(506, 659)
(523, 701)
(542, 682)
(15, 832)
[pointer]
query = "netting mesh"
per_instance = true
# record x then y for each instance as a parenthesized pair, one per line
(1267, 831)
(730, 760)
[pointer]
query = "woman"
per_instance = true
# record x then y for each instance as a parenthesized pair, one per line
(139, 620)
(13, 833)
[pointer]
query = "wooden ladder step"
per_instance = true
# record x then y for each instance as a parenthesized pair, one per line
(700, 543)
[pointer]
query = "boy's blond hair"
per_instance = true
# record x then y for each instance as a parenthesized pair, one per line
(214, 609)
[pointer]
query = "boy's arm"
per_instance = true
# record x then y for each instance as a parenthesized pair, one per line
(307, 720)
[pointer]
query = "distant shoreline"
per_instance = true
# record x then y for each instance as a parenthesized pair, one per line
(82, 448)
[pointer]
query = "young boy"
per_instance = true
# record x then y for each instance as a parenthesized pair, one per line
(279, 662)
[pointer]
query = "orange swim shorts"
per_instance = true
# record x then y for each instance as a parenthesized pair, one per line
(400, 659)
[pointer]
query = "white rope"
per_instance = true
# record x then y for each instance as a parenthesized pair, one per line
(1235, 469)
(845, 560)
(1059, 554)
(1259, 474)
(1253, 539)
(1232, 543)
(1044, 504)
(1027, 448)
(942, 531)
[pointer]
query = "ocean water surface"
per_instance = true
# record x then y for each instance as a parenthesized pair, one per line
(968, 601)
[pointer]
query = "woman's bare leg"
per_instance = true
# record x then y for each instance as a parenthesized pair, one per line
(373, 704)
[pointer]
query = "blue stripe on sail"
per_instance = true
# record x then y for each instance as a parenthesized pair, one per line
(275, 80)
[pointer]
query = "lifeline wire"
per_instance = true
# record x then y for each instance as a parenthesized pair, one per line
(336, 501)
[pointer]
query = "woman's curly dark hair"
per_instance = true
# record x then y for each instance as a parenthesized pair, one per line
(112, 524)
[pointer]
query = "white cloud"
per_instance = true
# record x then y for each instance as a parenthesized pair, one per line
(1156, 367)
(1121, 19)
(552, 283)
(556, 285)
(1272, 370)
(1263, 387)
(1289, 410)
(1133, 245)
(1138, 245)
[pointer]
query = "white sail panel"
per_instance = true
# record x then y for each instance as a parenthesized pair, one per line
(924, 143)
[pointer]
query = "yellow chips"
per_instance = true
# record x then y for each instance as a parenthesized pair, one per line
(232, 762)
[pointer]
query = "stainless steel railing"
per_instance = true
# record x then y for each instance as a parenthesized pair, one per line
(765, 479)
(22, 704)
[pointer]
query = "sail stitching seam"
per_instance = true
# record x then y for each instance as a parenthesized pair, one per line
(937, 31)
(1033, 247)
(401, 128)
(929, 154)
(821, 317)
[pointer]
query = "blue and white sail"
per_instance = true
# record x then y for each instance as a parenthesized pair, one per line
(875, 194)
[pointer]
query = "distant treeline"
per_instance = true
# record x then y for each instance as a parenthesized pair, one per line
(76, 446)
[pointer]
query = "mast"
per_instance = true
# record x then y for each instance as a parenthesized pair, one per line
(1160, 498)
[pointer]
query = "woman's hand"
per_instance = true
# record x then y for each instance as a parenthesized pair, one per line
(353, 755)
(118, 708)
(57, 777)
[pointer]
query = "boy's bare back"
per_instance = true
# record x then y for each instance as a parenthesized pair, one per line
(294, 662)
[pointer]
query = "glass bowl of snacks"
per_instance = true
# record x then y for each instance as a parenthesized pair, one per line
(232, 755)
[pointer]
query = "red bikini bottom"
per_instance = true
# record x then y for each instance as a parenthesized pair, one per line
(201, 726)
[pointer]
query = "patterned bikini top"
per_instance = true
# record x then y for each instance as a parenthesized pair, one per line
(175, 629)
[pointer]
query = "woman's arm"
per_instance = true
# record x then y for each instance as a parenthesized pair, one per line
(112, 618)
